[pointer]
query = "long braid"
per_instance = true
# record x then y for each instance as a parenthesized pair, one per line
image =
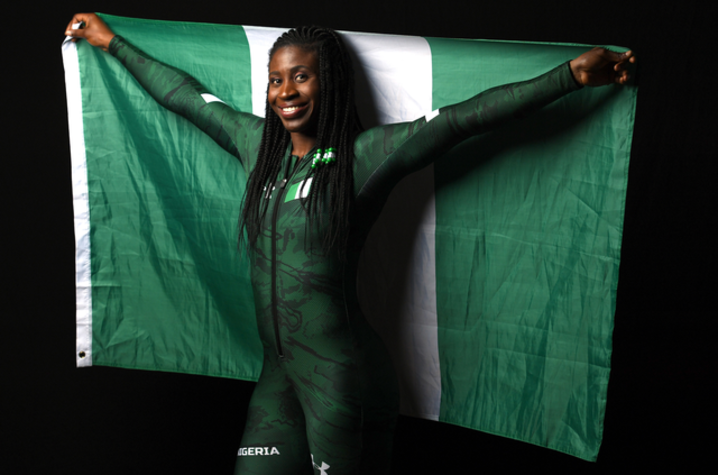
(331, 193)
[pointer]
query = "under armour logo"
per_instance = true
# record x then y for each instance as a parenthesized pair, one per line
(322, 469)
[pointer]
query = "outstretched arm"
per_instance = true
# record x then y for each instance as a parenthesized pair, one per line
(236, 132)
(410, 146)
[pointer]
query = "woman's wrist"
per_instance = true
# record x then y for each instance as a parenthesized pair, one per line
(574, 72)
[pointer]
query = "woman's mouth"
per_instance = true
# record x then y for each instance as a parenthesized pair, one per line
(289, 112)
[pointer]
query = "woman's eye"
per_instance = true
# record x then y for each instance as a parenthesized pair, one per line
(300, 77)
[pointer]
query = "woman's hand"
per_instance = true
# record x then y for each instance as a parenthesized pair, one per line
(600, 67)
(94, 30)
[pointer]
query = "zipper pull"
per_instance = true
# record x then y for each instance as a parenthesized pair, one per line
(284, 183)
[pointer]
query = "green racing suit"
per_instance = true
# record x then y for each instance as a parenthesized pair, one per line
(327, 398)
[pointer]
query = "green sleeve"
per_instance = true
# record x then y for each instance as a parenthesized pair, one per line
(237, 132)
(386, 154)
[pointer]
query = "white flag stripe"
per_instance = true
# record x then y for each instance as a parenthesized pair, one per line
(260, 42)
(394, 84)
(397, 290)
(81, 206)
(393, 77)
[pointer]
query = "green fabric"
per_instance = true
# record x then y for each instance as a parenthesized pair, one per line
(528, 233)
(527, 252)
(164, 208)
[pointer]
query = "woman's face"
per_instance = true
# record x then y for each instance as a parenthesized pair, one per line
(293, 90)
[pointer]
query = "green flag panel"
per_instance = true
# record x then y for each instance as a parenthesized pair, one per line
(170, 290)
(529, 221)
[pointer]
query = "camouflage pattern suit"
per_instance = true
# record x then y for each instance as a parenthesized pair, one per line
(326, 401)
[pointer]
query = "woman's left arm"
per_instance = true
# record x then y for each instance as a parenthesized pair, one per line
(497, 106)
(411, 146)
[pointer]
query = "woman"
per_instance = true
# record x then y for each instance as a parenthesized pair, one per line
(327, 395)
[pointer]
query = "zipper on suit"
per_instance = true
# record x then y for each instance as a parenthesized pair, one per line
(275, 312)
(280, 198)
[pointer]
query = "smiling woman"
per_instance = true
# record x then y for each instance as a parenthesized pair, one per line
(293, 93)
(309, 70)
(326, 401)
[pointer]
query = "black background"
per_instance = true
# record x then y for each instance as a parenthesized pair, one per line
(57, 419)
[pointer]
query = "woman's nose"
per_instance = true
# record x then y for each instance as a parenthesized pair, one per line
(287, 90)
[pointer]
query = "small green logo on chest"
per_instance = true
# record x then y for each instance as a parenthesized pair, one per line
(298, 190)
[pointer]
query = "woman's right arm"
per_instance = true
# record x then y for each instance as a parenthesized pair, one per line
(176, 90)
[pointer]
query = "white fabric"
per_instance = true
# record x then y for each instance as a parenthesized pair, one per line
(303, 189)
(260, 42)
(211, 98)
(397, 274)
(393, 76)
(431, 115)
(83, 295)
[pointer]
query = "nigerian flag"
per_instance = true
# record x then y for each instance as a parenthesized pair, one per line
(491, 274)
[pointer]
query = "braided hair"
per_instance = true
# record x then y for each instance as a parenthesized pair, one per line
(331, 193)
